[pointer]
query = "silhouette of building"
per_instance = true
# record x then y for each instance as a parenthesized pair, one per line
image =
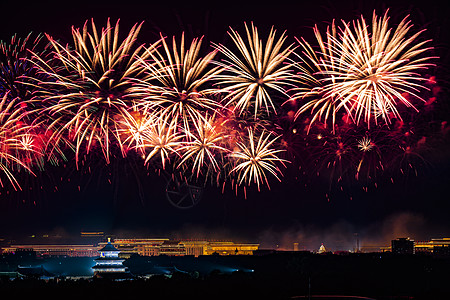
(402, 246)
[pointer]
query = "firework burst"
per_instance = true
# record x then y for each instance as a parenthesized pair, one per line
(16, 144)
(160, 138)
(255, 158)
(17, 75)
(256, 72)
(86, 87)
(366, 72)
(175, 83)
(206, 145)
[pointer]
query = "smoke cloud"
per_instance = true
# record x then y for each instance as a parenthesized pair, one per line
(344, 236)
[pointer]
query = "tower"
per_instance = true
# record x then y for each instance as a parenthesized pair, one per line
(109, 264)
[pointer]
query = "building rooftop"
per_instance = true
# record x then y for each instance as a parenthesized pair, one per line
(109, 248)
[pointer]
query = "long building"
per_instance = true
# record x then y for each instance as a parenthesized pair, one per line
(436, 246)
(140, 246)
(54, 250)
(440, 246)
(155, 247)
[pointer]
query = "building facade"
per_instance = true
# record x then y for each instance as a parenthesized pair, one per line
(435, 246)
(55, 250)
(402, 246)
(142, 247)
(156, 247)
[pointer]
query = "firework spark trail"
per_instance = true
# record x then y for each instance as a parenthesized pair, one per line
(176, 81)
(17, 75)
(205, 145)
(130, 129)
(160, 137)
(13, 134)
(255, 158)
(256, 71)
(311, 73)
(367, 73)
(88, 86)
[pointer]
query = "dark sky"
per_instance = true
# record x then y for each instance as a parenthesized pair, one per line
(136, 205)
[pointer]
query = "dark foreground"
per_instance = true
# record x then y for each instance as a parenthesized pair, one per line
(271, 276)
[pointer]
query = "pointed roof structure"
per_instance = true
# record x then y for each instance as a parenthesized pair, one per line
(109, 248)
(322, 249)
(109, 264)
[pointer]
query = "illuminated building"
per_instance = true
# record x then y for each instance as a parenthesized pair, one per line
(195, 248)
(322, 249)
(142, 247)
(55, 250)
(229, 248)
(435, 246)
(172, 248)
(402, 246)
(96, 234)
(109, 261)
(156, 247)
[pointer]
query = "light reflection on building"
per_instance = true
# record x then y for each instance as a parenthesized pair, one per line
(156, 247)
(140, 246)
(435, 246)
(55, 250)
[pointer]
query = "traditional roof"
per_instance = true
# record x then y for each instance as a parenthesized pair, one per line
(106, 258)
(110, 267)
(109, 248)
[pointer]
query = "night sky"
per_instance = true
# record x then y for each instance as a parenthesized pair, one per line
(296, 209)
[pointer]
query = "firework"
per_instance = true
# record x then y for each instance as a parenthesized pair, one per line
(86, 87)
(252, 77)
(367, 73)
(15, 141)
(255, 158)
(160, 137)
(175, 83)
(311, 74)
(17, 77)
(203, 145)
(15, 67)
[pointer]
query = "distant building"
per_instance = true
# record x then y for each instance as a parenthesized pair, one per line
(229, 248)
(140, 246)
(322, 249)
(143, 247)
(109, 264)
(402, 246)
(156, 247)
(434, 246)
(54, 250)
